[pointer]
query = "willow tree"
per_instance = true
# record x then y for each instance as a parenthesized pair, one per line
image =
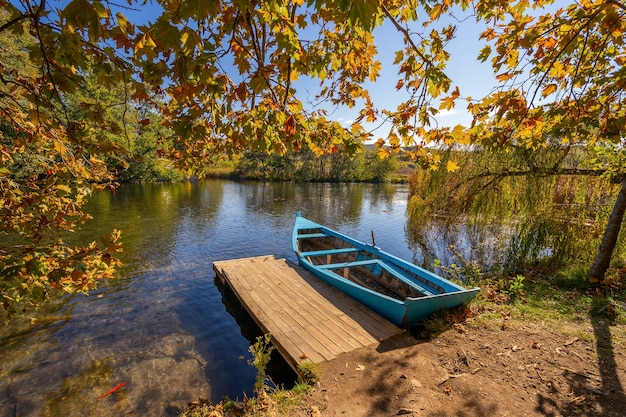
(563, 77)
(559, 102)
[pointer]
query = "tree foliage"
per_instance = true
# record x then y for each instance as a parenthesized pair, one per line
(87, 87)
(47, 168)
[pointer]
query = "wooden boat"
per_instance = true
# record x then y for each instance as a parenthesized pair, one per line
(400, 291)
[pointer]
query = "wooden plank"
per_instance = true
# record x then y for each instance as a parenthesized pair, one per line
(353, 313)
(341, 302)
(267, 309)
(312, 235)
(348, 332)
(290, 302)
(309, 320)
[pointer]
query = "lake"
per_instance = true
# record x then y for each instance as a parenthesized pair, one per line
(163, 328)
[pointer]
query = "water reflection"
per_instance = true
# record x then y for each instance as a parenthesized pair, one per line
(162, 328)
(453, 241)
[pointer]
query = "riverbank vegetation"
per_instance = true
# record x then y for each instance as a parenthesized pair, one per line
(364, 166)
(550, 206)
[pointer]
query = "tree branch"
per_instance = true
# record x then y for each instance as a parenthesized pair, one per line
(542, 172)
(407, 35)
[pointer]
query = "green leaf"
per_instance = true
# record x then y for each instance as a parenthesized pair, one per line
(484, 53)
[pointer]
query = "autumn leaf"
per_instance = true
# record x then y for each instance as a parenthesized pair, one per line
(548, 89)
(64, 188)
(290, 126)
(242, 92)
(504, 76)
(374, 70)
(122, 22)
(452, 166)
(436, 11)
(488, 34)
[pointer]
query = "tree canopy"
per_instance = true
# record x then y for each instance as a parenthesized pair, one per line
(222, 77)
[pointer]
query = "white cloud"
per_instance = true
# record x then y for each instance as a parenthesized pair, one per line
(445, 113)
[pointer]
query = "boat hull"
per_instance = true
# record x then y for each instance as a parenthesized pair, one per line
(410, 295)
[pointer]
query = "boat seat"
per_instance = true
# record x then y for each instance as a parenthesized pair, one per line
(349, 264)
(310, 235)
(330, 252)
(400, 275)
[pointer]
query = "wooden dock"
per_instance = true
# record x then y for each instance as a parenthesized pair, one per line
(309, 320)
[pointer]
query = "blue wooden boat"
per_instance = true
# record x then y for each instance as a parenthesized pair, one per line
(400, 291)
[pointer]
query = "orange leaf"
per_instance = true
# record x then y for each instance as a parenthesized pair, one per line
(504, 76)
(290, 126)
(241, 92)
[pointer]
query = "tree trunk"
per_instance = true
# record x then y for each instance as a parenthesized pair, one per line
(609, 240)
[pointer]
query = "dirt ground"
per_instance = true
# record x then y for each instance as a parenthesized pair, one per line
(496, 369)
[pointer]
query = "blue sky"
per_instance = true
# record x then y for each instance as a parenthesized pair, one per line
(474, 78)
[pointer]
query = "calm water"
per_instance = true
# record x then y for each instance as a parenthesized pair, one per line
(163, 327)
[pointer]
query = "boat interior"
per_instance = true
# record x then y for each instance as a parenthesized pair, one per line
(359, 266)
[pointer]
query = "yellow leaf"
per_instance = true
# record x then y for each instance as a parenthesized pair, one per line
(436, 12)
(447, 103)
(460, 135)
(122, 22)
(452, 166)
(557, 70)
(150, 42)
(548, 89)
(60, 148)
(139, 44)
(65, 188)
(374, 70)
